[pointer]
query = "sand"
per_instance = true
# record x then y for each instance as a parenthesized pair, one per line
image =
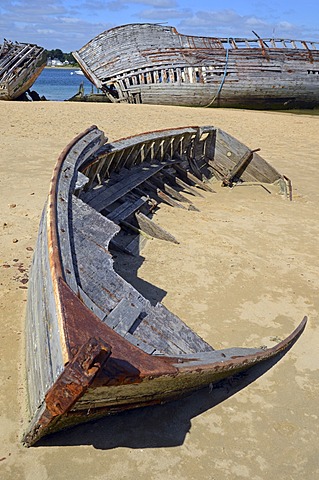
(245, 274)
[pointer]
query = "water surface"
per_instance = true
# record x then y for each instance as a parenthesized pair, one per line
(60, 84)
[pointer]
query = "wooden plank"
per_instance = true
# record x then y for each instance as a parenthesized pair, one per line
(168, 333)
(81, 181)
(91, 305)
(136, 245)
(229, 150)
(95, 275)
(157, 180)
(91, 223)
(126, 209)
(175, 179)
(44, 356)
(154, 230)
(163, 196)
(196, 181)
(123, 316)
(108, 195)
(142, 345)
(78, 154)
(239, 167)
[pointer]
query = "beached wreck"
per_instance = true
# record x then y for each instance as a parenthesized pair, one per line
(20, 66)
(149, 63)
(94, 344)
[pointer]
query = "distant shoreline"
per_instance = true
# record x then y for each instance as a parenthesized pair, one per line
(65, 67)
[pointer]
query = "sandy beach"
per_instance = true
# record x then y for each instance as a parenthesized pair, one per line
(244, 274)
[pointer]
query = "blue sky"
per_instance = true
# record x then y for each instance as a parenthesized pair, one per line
(69, 24)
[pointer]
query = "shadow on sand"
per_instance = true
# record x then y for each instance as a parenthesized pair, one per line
(158, 426)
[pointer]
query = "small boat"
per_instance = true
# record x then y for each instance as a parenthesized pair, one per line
(155, 64)
(20, 66)
(92, 96)
(77, 72)
(94, 344)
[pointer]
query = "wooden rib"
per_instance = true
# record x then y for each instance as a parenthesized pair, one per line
(126, 209)
(188, 188)
(192, 178)
(157, 179)
(163, 196)
(154, 230)
(109, 194)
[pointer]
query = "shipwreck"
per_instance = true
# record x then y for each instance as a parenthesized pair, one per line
(154, 64)
(20, 66)
(94, 344)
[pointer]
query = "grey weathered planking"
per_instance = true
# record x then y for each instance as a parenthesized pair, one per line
(148, 148)
(43, 350)
(111, 295)
(126, 209)
(158, 193)
(20, 65)
(78, 154)
(175, 338)
(166, 67)
(258, 170)
(170, 190)
(151, 228)
(109, 194)
(180, 183)
(123, 316)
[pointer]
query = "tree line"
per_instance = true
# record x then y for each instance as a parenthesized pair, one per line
(62, 56)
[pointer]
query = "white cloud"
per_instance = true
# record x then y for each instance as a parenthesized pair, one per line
(163, 14)
(69, 24)
(123, 4)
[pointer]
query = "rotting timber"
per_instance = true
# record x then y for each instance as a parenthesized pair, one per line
(20, 66)
(154, 64)
(94, 344)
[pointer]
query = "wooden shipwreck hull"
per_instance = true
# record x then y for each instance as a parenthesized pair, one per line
(95, 345)
(20, 66)
(147, 63)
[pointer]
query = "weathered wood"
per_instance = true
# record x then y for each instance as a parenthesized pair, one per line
(154, 230)
(185, 186)
(72, 373)
(20, 65)
(191, 177)
(81, 181)
(169, 190)
(43, 349)
(78, 154)
(163, 196)
(135, 229)
(237, 169)
(169, 68)
(167, 333)
(90, 304)
(142, 345)
(107, 196)
(136, 245)
(123, 316)
(92, 224)
(126, 209)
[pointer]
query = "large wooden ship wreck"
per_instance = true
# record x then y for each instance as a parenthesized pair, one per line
(95, 345)
(20, 66)
(148, 63)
